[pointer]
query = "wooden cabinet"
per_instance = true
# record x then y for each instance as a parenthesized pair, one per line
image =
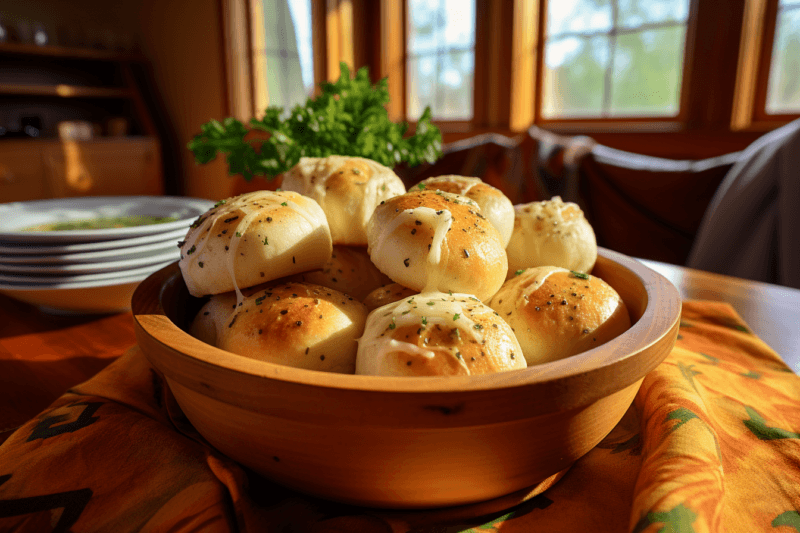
(31, 170)
(58, 85)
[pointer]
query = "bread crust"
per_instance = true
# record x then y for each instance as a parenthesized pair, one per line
(551, 233)
(347, 189)
(495, 205)
(556, 313)
(437, 241)
(253, 238)
(296, 324)
(349, 270)
(389, 293)
(437, 334)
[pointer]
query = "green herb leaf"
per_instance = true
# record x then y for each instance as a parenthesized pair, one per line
(579, 275)
(347, 118)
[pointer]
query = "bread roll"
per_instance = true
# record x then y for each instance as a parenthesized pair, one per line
(437, 241)
(207, 324)
(556, 313)
(254, 238)
(387, 294)
(551, 233)
(349, 270)
(296, 324)
(437, 334)
(495, 205)
(347, 188)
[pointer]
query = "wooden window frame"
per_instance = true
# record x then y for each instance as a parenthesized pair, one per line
(713, 64)
(755, 61)
(333, 40)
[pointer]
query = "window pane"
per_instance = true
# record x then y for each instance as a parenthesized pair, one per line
(578, 16)
(459, 24)
(287, 51)
(441, 58)
(783, 91)
(647, 73)
(454, 98)
(633, 13)
(421, 84)
(574, 76)
(422, 26)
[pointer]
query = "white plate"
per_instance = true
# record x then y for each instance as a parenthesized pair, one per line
(114, 254)
(16, 216)
(35, 280)
(71, 269)
(36, 249)
(78, 298)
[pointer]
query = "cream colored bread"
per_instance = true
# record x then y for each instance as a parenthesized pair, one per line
(556, 313)
(495, 205)
(437, 241)
(437, 334)
(295, 324)
(551, 233)
(207, 323)
(349, 270)
(347, 188)
(254, 238)
(387, 294)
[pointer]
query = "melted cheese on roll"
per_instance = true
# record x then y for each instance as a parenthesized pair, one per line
(437, 241)
(556, 313)
(347, 189)
(495, 205)
(551, 233)
(437, 334)
(254, 238)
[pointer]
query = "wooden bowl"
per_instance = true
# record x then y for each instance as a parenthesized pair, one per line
(408, 442)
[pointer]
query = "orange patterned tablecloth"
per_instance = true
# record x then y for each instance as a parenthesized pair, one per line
(711, 443)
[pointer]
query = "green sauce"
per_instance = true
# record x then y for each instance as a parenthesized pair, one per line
(101, 223)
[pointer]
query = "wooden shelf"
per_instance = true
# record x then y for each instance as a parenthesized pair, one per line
(65, 91)
(68, 52)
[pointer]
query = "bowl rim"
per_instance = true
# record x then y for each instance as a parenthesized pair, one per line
(660, 316)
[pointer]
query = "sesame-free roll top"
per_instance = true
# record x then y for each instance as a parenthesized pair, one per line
(556, 313)
(437, 241)
(301, 325)
(495, 205)
(551, 233)
(349, 270)
(437, 334)
(387, 294)
(347, 189)
(254, 238)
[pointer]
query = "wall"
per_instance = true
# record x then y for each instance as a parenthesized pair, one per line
(182, 42)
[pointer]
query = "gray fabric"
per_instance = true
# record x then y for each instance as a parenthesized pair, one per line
(752, 226)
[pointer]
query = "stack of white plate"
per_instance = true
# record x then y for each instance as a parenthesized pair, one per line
(89, 270)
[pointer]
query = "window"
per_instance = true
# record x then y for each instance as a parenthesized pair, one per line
(613, 58)
(783, 89)
(282, 48)
(440, 61)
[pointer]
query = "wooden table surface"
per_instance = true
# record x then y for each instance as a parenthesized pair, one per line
(42, 355)
(771, 311)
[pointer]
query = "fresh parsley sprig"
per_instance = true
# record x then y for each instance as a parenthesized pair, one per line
(348, 118)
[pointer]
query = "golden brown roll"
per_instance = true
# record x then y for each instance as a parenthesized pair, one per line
(349, 270)
(551, 233)
(387, 294)
(437, 334)
(556, 313)
(437, 241)
(254, 238)
(207, 324)
(347, 189)
(495, 205)
(295, 324)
